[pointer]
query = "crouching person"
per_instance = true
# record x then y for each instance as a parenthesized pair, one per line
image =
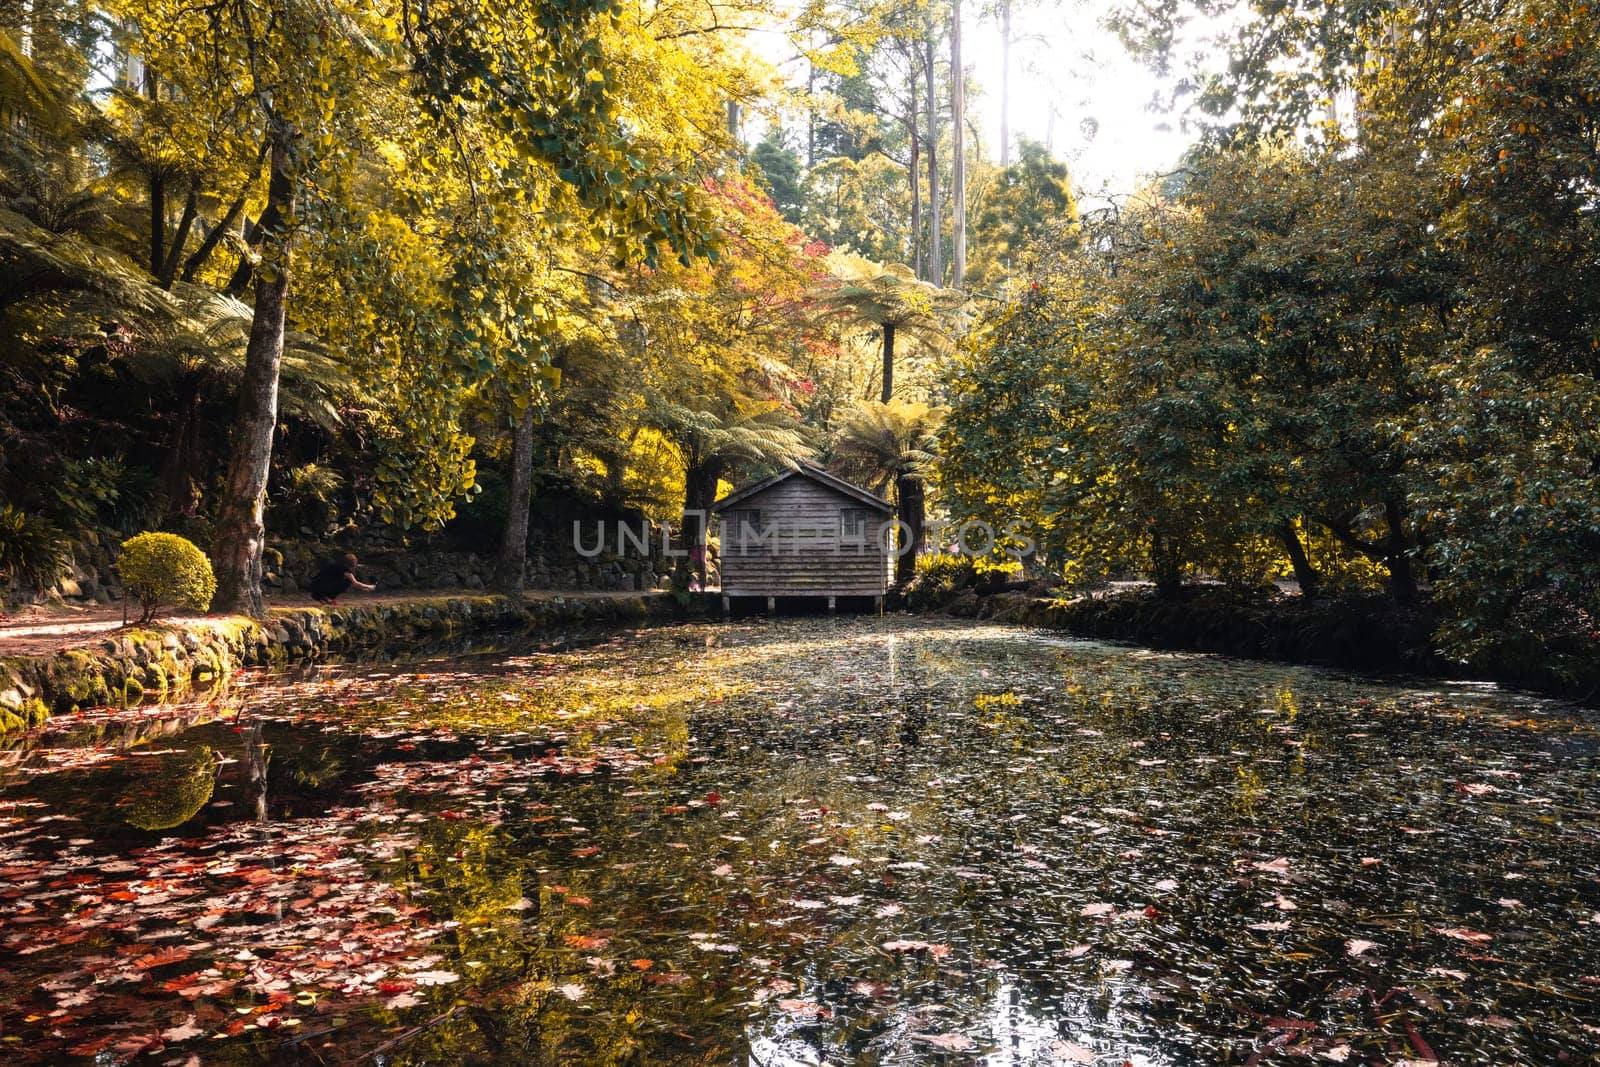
(336, 578)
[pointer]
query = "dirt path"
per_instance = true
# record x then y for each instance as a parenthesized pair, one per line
(36, 631)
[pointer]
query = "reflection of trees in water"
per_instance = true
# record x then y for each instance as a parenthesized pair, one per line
(172, 790)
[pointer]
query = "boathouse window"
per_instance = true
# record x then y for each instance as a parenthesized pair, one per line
(746, 528)
(853, 526)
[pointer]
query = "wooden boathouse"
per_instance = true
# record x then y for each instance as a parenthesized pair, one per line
(804, 533)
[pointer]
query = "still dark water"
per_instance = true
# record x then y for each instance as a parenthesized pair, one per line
(852, 841)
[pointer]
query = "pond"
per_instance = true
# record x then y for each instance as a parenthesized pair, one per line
(842, 841)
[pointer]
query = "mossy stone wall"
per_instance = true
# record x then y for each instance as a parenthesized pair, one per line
(138, 665)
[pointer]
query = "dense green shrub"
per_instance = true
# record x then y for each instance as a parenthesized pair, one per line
(942, 574)
(307, 499)
(33, 552)
(163, 568)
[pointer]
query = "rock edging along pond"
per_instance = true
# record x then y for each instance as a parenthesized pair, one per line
(136, 664)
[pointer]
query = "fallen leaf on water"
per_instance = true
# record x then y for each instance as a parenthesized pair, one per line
(1092, 910)
(184, 1031)
(1071, 1052)
(936, 951)
(950, 1042)
(1356, 947)
(806, 1009)
(436, 977)
(1461, 933)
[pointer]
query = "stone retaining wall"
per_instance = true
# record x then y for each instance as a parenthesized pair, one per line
(134, 665)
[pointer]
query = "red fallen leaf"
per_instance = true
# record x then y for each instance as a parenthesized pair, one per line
(1461, 933)
(674, 809)
(1150, 911)
(642, 965)
(585, 942)
(452, 816)
(396, 985)
(161, 957)
(673, 978)
(582, 902)
(713, 798)
(587, 850)
(806, 1009)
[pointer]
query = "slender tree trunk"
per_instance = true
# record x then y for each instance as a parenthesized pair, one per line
(811, 115)
(935, 223)
(1397, 554)
(1304, 574)
(913, 173)
(158, 224)
(213, 237)
(240, 280)
(888, 361)
(1005, 84)
(958, 153)
(514, 541)
(236, 551)
(180, 236)
(912, 509)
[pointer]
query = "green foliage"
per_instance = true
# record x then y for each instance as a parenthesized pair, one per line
(33, 552)
(1015, 218)
(163, 568)
(307, 497)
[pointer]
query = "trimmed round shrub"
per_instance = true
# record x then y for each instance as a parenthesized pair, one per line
(163, 568)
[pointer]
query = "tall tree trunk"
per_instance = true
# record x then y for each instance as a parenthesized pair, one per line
(935, 223)
(1005, 84)
(158, 224)
(1305, 575)
(913, 173)
(1397, 554)
(958, 153)
(888, 361)
(811, 114)
(909, 494)
(514, 541)
(236, 551)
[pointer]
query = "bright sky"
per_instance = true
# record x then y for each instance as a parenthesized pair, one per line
(1063, 61)
(1075, 87)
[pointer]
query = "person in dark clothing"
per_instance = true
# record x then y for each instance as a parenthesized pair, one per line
(337, 577)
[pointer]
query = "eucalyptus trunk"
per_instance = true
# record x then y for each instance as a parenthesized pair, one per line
(935, 223)
(1005, 84)
(958, 153)
(236, 551)
(913, 174)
